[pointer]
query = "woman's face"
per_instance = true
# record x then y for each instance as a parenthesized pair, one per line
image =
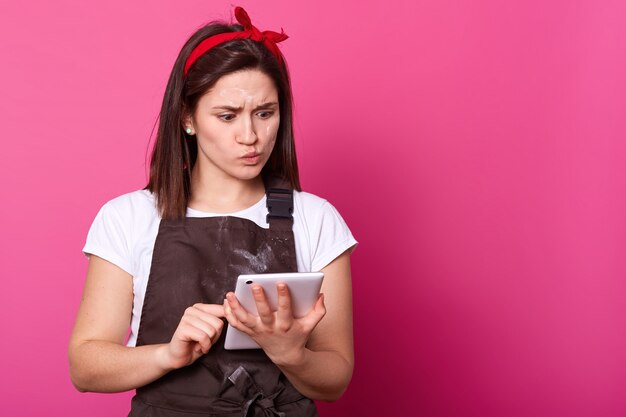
(235, 124)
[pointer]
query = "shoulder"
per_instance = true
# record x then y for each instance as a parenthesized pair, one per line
(130, 208)
(308, 203)
(314, 209)
(140, 201)
(311, 209)
(126, 216)
(135, 212)
(325, 234)
(121, 225)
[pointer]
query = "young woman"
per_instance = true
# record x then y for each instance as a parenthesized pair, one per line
(223, 199)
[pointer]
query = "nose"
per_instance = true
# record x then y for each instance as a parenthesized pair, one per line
(247, 134)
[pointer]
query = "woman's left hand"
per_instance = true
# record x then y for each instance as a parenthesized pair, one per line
(282, 336)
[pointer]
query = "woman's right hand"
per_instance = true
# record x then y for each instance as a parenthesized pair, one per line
(198, 330)
(99, 359)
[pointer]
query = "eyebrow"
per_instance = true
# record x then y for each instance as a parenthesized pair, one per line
(269, 105)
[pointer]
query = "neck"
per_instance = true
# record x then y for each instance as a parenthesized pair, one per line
(217, 192)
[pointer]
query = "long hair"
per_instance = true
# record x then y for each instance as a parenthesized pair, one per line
(175, 152)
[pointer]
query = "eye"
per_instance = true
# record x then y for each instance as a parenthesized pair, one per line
(265, 114)
(226, 117)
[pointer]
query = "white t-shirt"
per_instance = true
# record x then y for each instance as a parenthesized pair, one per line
(125, 230)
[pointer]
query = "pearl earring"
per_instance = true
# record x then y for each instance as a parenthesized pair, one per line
(188, 130)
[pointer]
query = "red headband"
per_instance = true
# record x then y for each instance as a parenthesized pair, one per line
(269, 39)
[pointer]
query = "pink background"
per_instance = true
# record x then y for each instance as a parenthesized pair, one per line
(476, 149)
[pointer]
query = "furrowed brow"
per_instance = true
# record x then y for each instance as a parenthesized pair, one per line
(270, 105)
(231, 108)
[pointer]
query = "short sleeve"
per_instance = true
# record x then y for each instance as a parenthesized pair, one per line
(108, 238)
(332, 237)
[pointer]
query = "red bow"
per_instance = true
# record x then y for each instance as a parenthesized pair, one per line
(269, 39)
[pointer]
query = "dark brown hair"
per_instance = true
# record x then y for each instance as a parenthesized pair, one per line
(175, 152)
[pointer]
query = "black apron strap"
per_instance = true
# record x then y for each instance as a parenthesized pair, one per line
(279, 204)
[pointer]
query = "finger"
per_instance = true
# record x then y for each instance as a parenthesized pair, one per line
(262, 305)
(284, 313)
(212, 319)
(320, 306)
(212, 328)
(239, 312)
(233, 321)
(205, 327)
(216, 310)
(189, 334)
(316, 315)
(205, 322)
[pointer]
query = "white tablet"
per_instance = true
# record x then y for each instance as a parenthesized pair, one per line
(304, 288)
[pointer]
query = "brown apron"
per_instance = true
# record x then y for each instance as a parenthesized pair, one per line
(197, 260)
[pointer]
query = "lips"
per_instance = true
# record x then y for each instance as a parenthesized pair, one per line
(251, 158)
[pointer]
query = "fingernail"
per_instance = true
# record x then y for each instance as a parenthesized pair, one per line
(282, 287)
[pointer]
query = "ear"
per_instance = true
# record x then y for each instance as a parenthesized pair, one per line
(188, 124)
